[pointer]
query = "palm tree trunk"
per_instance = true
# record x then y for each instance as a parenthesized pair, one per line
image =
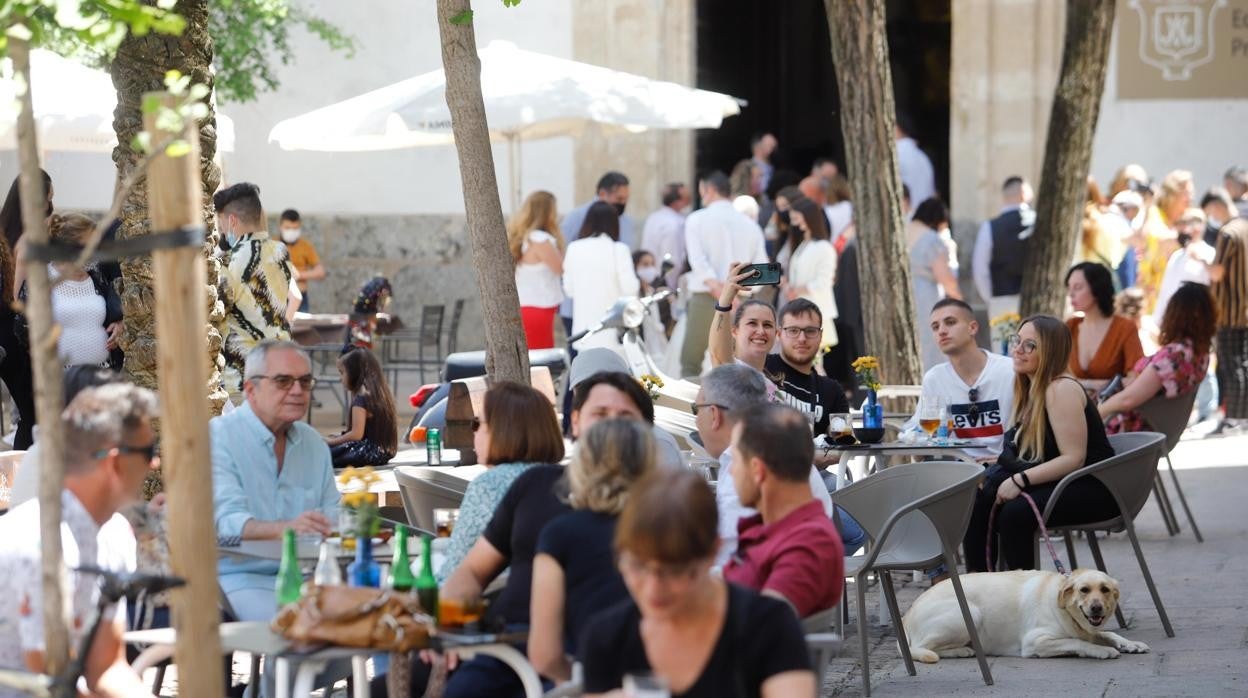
(864, 78)
(140, 67)
(506, 350)
(1067, 154)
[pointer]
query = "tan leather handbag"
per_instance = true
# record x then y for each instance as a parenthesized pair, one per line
(379, 619)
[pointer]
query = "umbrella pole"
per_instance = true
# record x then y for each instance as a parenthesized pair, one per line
(513, 160)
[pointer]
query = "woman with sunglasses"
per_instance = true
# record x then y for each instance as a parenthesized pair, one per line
(688, 628)
(574, 568)
(1056, 431)
(517, 429)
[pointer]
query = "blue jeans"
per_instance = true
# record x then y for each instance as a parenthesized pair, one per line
(1207, 397)
(303, 304)
(852, 535)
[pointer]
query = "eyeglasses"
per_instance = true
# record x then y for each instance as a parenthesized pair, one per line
(285, 382)
(794, 332)
(632, 567)
(973, 396)
(150, 452)
(699, 405)
(1027, 345)
(476, 424)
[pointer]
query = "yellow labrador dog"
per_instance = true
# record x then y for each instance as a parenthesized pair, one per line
(1019, 614)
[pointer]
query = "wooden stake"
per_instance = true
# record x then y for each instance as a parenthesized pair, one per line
(174, 199)
(47, 374)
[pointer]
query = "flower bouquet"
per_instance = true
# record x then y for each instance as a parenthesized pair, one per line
(1003, 327)
(867, 368)
(358, 517)
(651, 383)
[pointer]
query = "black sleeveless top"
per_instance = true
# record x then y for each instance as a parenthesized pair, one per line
(1098, 442)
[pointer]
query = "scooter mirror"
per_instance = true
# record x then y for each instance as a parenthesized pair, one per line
(634, 314)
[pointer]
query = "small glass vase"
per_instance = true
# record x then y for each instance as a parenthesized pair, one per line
(872, 412)
(364, 572)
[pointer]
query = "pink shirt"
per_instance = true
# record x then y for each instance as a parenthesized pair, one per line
(799, 557)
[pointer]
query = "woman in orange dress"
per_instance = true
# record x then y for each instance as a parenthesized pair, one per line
(1104, 345)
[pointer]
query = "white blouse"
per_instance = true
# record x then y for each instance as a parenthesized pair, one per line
(597, 272)
(537, 284)
(79, 310)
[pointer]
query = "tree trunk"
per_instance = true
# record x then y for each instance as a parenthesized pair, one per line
(46, 373)
(864, 78)
(506, 350)
(1067, 154)
(140, 67)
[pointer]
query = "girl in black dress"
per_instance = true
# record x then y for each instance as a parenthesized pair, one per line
(372, 435)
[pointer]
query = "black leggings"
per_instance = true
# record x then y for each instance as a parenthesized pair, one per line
(15, 371)
(1084, 501)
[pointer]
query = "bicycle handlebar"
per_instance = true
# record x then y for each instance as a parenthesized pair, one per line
(119, 585)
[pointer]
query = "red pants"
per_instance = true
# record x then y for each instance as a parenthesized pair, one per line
(539, 326)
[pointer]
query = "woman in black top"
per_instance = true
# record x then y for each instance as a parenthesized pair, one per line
(699, 634)
(574, 569)
(1057, 430)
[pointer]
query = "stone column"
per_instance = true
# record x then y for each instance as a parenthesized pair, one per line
(651, 38)
(1006, 55)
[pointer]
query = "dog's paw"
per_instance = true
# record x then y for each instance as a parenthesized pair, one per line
(959, 652)
(1131, 647)
(1099, 652)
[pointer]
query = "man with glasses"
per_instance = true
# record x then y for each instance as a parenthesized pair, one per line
(976, 385)
(110, 447)
(801, 335)
(726, 393)
(270, 472)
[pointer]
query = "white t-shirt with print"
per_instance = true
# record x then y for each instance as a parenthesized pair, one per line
(984, 420)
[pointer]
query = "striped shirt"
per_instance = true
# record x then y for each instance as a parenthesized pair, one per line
(256, 285)
(1230, 293)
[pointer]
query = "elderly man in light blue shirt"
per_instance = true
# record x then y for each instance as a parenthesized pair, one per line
(270, 471)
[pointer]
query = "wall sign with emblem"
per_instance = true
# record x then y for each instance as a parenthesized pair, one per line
(1182, 49)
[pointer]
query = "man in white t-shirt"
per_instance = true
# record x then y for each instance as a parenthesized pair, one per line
(975, 384)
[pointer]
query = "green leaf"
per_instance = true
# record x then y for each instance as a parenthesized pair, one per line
(464, 17)
(197, 92)
(151, 103)
(177, 149)
(168, 4)
(197, 111)
(142, 142)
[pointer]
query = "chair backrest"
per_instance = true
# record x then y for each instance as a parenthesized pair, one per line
(938, 495)
(452, 332)
(1128, 475)
(1169, 415)
(421, 496)
(431, 324)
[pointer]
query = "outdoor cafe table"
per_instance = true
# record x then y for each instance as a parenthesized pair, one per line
(307, 550)
(255, 637)
(882, 453)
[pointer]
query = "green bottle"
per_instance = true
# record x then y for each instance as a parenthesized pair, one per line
(401, 577)
(289, 578)
(426, 583)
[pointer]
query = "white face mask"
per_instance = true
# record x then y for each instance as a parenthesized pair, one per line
(648, 274)
(1215, 223)
(291, 235)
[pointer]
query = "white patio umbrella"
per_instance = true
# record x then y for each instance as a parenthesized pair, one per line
(73, 107)
(527, 96)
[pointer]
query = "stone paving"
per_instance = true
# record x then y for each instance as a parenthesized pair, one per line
(1201, 584)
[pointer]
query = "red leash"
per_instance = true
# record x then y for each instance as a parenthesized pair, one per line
(992, 517)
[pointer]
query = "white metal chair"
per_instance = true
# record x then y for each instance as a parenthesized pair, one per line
(916, 515)
(422, 495)
(1128, 476)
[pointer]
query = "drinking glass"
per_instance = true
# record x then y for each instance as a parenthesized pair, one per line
(646, 686)
(931, 413)
(444, 521)
(841, 428)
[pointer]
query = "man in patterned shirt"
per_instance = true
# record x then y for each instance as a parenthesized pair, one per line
(255, 285)
(109, 449)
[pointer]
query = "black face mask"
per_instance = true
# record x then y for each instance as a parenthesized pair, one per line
(619, 209)
(783, 216)
(1184, 238)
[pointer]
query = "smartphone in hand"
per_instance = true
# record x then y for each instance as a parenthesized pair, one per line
(765, 274)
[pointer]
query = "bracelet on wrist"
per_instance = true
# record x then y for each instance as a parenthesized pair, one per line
(1026, 480)
(723, 309)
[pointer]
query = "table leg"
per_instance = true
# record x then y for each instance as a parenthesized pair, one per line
(150, 657)
(359, 676)
(305, 677)
(282, 680)
(513, 658)
(841, 469)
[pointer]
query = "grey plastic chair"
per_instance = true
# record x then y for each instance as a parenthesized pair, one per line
(915, 515)
(1128, 476)
(822, 644)
(421, 496)
(1169, 416)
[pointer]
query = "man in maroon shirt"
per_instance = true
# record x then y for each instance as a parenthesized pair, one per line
(790, 549)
